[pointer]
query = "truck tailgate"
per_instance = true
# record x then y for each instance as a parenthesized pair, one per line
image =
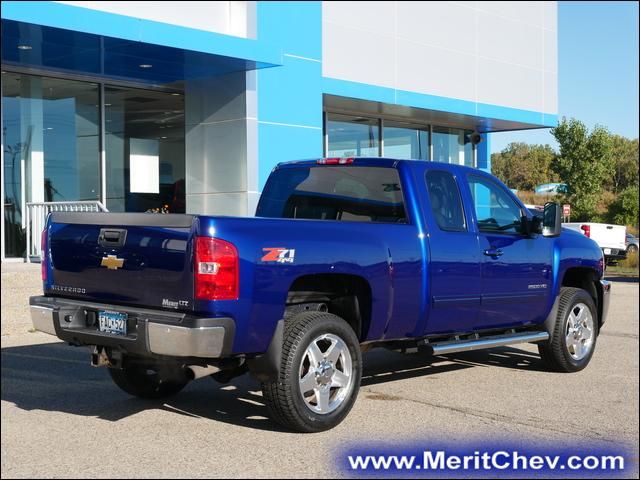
(609, 236)
(605, 235)
(135, 259)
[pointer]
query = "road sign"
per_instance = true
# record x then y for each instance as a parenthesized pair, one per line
(566, 210)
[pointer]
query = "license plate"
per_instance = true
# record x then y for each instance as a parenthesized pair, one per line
(112, 322)
(607, 251)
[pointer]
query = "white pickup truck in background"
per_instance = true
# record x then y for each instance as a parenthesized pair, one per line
(610, 238)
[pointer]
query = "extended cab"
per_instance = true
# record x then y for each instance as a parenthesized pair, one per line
(344, 255)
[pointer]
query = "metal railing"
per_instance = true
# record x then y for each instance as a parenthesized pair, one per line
(36, 219)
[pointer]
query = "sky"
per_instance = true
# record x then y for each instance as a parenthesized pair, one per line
(597, 70)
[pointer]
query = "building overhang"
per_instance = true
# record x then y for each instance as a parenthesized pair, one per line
(58, 37)
(357, 98)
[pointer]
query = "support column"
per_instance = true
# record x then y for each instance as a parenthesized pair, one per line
(483, 153)
(31, 133)
(217, 134)
(290, 96)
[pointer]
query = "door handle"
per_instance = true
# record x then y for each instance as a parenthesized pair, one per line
(112, 237)
(493, 252)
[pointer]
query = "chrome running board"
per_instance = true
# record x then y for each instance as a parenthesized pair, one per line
(454, 346)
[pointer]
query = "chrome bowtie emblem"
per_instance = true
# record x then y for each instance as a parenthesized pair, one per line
(112, 262)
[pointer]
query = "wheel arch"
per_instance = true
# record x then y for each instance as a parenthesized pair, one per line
(346, 295)
(587, 279)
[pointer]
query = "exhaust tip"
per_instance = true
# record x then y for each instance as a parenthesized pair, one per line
(195, 372)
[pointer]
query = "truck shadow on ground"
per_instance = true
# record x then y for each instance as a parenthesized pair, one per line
(58, 378)
(621, 279)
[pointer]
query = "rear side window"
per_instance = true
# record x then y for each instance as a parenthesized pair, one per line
(446, 204)
(354, 194)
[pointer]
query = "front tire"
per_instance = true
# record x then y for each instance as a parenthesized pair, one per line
(632, 249)
(573, 333)
(320, 373)
(150, 380)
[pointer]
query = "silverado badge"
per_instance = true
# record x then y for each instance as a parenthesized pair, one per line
(112, 262)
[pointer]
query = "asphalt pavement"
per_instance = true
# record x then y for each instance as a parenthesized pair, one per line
(63, 418)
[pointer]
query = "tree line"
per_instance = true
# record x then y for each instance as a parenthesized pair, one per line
(599, 169)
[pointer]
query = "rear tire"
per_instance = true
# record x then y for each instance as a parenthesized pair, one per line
(320, 373)
(573, 333)
(632, 249)
(146, 379)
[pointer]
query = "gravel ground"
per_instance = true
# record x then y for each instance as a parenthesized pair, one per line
(63, 418)
(19, 282)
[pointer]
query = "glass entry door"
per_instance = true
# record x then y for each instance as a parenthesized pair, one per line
(144, 145)
(51, 147)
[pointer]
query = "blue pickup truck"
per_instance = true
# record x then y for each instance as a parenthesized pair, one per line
(344, 255)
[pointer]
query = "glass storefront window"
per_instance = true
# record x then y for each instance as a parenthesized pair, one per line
(145, 152)
(452, 145)
(350, 136)
(51, 147)
(401, 141)
(356, 136)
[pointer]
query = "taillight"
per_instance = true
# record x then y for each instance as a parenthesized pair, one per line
(335, 161)
(586, 229)
(44, 255)
(216, 269)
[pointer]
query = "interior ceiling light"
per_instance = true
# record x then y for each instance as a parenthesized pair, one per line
(145, 65)
(24, 47)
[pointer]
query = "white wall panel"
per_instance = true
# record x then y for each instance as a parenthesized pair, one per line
(358, 56)
(501, 53)
(441, 24)
(504, 84)
(372, 16)
(510, 41)
(432, 70)
(230, 18)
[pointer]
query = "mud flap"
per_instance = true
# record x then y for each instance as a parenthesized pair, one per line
(551, 318)
(266, 367)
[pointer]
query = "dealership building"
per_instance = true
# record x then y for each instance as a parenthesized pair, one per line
(188, 106)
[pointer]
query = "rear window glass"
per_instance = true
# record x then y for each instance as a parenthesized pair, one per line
(353, 194)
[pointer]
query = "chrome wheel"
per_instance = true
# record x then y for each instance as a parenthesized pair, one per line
(579, 332)
(325, 376)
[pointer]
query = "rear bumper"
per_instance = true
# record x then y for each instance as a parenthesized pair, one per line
(149, 332)
(606, 299)
(614, 253)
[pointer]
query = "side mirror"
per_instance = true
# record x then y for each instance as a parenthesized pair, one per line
(552, 220)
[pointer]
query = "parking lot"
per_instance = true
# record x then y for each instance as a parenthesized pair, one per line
(63, 418)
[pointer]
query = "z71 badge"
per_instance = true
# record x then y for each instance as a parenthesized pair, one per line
(279, 255)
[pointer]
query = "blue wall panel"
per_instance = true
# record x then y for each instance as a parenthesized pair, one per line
(290, 96)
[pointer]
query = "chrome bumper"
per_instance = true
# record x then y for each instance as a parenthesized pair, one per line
(178, 341)
(42, 319)
(606, 299)
(194, 337)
